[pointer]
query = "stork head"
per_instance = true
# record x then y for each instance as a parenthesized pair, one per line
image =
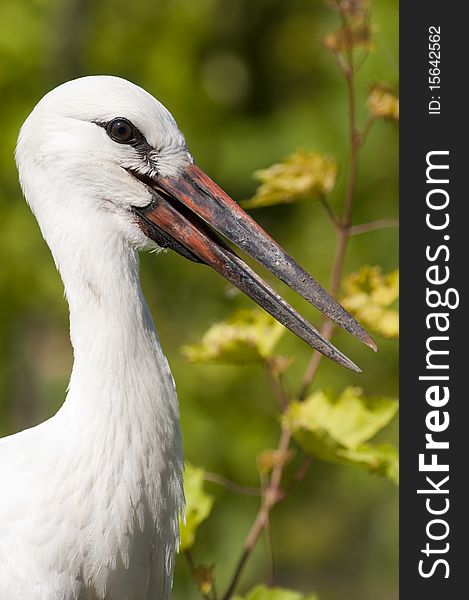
(102, 150)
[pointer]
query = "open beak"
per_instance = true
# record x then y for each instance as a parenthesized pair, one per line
(185, 214)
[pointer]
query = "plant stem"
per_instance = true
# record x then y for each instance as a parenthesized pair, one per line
(366, 129)
(271, 496)
(299, 475)
(268, 540)
(231, 485)
(343, 233)
(273, 492)
(330, 212)
(373, 226)
(277, 387)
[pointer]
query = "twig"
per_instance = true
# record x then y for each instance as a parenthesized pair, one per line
(373, 226)
(331, 213)
(274, 493)
(361, 60)
(343, 234)
(268, 538)
(340, 61)
(276, 384)
(366, 129)
(231, 485)
(271, 497)
(299, 475)
(190, 561)
(270, 552)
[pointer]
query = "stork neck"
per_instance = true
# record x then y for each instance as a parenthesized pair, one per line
(119, 426)
(107, 306)
(118, 360)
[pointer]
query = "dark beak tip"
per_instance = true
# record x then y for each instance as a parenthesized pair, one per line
(353, 367)
(369, 341)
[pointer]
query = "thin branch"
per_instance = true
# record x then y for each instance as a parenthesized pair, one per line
(331, 213)
(366, 51)
(277, 386)
(190, 561)
(299, 475)
(271, 497)
(366, 129)
(361, 60)
(270, 553)
(343, 67)
(343, 235)
(274, 489)
(274, 493)
(373, 226)
(326, 330)
(231, 485)
(268, 539)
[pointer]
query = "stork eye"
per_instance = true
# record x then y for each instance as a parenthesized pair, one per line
(121, 130)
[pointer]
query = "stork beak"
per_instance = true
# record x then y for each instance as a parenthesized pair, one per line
(185, 214)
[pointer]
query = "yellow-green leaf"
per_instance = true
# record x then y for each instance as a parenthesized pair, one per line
(302, 175)
(368, 295)
(337, 429)
(383, 102)
(350, 419)
(261, 592)
(198, 505)
(247, 336)
(381, 459)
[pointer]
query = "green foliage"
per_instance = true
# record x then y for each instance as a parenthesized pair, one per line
(380, 459)
(302, 175)
(248, 84)
(247, 336)
(261, 592)
(198, 505)
(336, 429)
(369, 296)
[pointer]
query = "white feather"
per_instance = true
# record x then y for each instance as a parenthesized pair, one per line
(90, 499)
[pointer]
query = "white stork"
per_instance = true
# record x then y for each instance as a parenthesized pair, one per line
(90, 498)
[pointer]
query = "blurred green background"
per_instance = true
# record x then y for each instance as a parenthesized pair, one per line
(248, 81)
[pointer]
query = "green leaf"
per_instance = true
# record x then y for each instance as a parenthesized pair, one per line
(350, 419)
(369, 295)
(336, 429)
(300, 176)
(261, 592)
(382, 459)
(198, 505)
(248, 336)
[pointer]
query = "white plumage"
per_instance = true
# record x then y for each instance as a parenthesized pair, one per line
(89, 499)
